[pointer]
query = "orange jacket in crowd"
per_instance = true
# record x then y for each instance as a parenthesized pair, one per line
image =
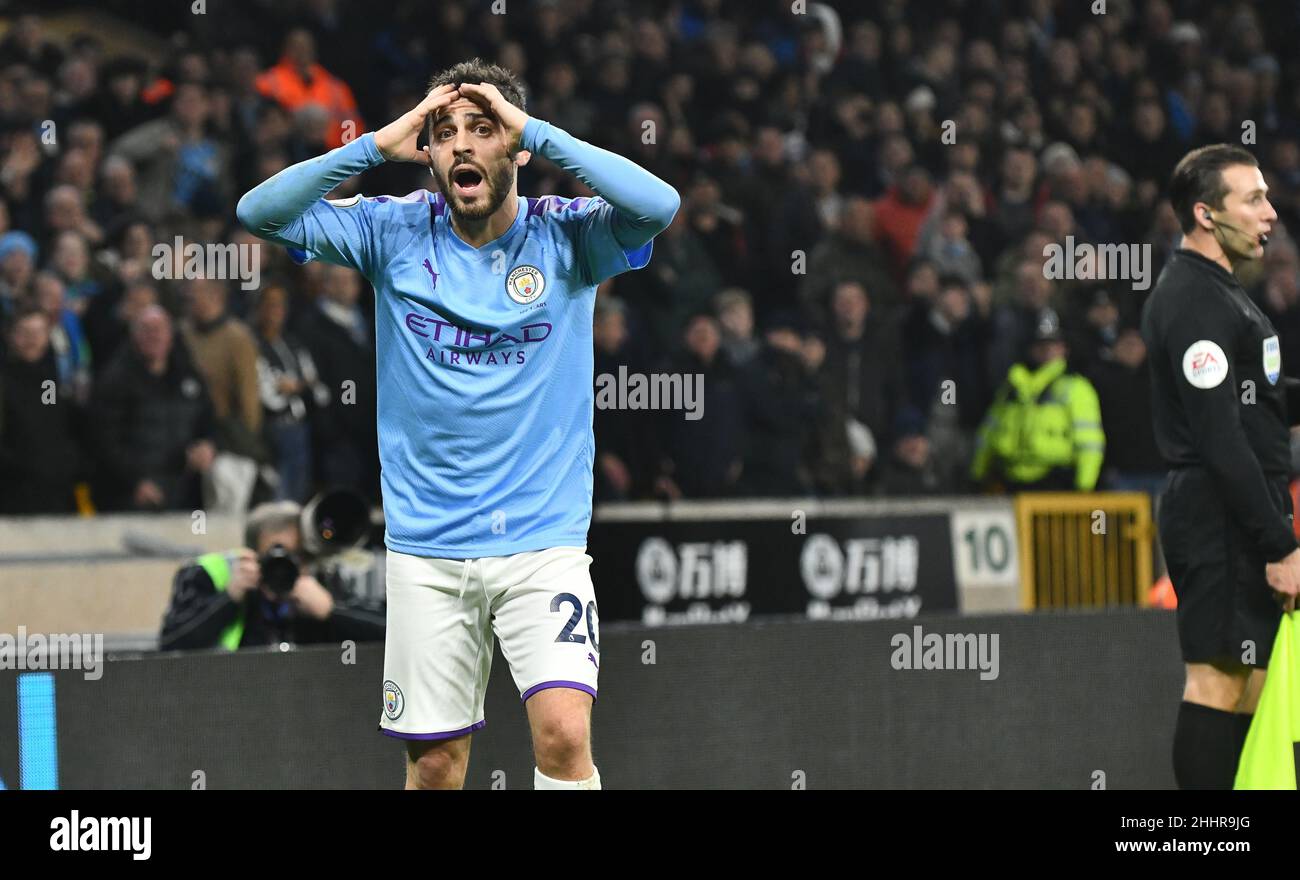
(283, 84)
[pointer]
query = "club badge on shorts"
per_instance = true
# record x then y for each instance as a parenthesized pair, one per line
(393, 701)
(525, 284)
(1272, 360)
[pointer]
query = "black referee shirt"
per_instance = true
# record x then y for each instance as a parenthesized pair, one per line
(1219, 399)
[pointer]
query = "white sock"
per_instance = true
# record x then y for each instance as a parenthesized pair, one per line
(542, 782)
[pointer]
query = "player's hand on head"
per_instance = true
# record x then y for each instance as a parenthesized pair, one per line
(397, 140)
(512, 119)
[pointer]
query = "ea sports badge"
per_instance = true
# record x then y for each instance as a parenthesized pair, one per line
(1272, 360)
(1204, 364)
(525, 284)
(393, 701)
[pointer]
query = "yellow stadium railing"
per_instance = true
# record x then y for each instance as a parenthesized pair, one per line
(1084, 549)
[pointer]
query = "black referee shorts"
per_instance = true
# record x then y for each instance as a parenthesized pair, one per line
(1224, 601)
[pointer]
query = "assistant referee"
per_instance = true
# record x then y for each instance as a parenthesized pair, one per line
(1220, 406)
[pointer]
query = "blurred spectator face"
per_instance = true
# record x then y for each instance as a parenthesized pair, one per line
(137, 241)
(914, 450)
(560, 80)
(513, 57)
(980, 55)
(37, 97)
(895, 156)
(1064, 62)
(1057, 220)
(341, 285)
(889, 119)
(119, 180)
(923, 282)
(300, 48)
(1149, 120)
(206, 298)
(1034, 290)
(1103, 314)
(190, 105)
(1129, 349)
(192, 67)
(244, 68)
(857, 220)
(125, 86)
(769, 147)
(272, 311)
(48, 292)
(75, 169)
(77, 78)
(137, 298)
(151, 334)
(1215, 112)
(953, 227)
(865, 41)
(17, 269)
(89, 137)
(965, 155)
(737, 319)
(1286, 155)
(849, 304)
(610, 330)
(916, 186)
(63, 209)
(71, 256)
(954, 304)
(29, 338)
(703, 338)
(1044, 352)
(825, 171)
(705, 195)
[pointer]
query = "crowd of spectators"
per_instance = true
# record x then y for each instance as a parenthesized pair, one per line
(858, 262)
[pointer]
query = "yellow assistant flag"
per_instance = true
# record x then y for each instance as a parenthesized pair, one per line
(1268, 760)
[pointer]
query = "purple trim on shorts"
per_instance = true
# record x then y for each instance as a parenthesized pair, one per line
(576, 685)
(451, 734)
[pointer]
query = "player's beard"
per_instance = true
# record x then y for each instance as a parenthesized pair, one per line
(498, 182)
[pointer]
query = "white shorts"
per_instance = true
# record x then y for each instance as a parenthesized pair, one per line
(442, 613)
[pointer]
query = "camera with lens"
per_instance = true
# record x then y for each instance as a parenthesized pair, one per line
(279, 570)
(332, 523)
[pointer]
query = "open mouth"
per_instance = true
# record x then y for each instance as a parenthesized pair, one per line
(467, 181)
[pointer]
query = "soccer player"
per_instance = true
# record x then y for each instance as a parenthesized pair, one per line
(483, 331)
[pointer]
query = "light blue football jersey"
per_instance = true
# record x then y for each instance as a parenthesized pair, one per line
(485, 392)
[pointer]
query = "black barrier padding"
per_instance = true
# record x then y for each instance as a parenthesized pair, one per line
(743, 706)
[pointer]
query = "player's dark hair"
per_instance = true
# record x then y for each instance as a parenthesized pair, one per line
(1198, 177)
(476, 70)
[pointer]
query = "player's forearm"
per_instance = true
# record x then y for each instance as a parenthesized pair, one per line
(270, 209)
(645, 204)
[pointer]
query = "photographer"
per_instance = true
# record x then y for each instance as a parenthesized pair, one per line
(258, 594)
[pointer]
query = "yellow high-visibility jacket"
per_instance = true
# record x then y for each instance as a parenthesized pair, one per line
(1041, 420)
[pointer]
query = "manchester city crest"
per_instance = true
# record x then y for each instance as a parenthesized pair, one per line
(393, 701)
(525, 284)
